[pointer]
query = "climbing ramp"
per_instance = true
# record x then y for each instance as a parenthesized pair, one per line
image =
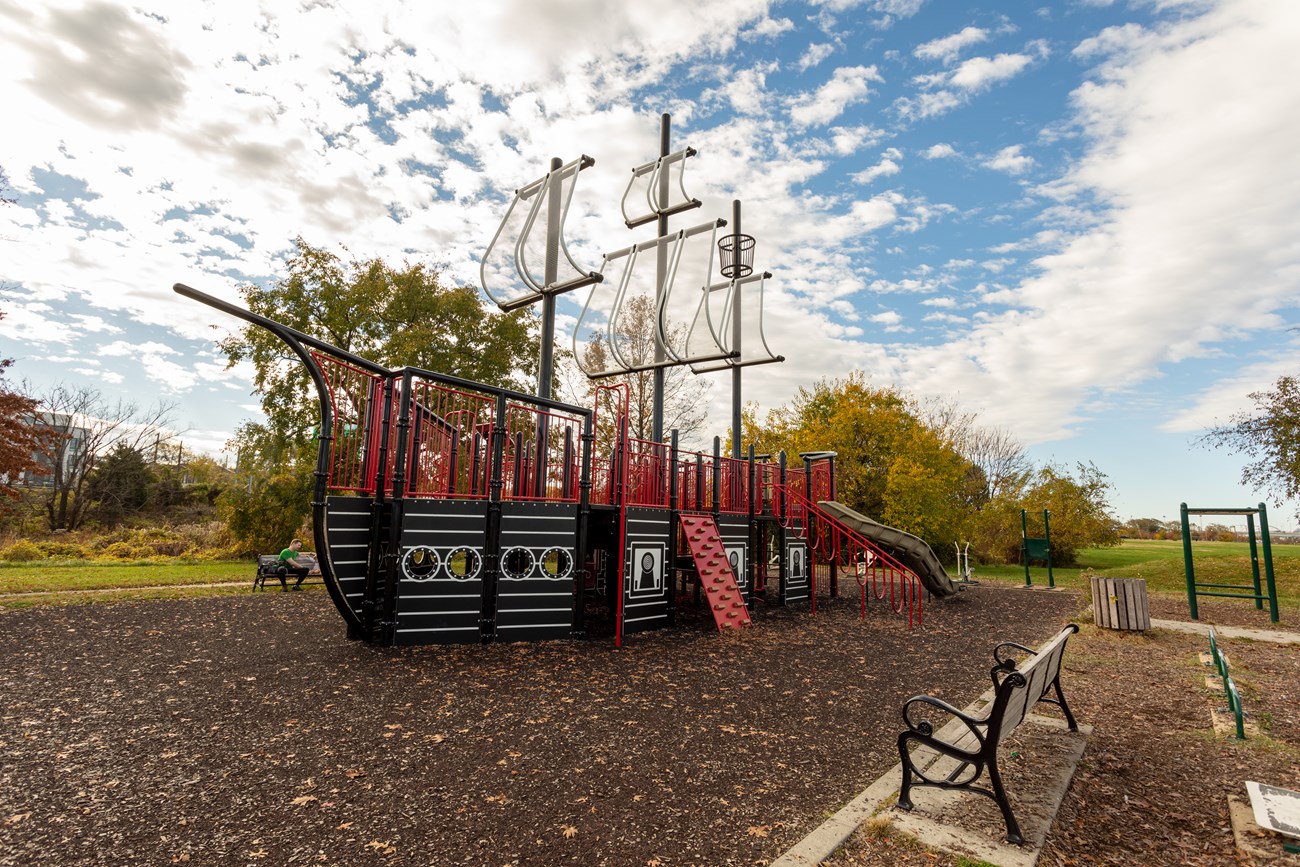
(726, 602)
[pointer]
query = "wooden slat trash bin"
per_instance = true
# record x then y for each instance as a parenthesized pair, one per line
(1120, 603)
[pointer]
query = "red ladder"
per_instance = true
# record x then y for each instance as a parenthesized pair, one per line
(716, 576)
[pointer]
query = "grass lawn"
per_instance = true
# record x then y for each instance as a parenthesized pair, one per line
(45, 577)
(1160, 564)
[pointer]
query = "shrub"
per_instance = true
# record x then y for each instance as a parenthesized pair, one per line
(61, 551)
(127, 551)
(21, 551)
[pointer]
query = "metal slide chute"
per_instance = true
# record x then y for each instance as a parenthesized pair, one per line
(514, 268)
(909, 550)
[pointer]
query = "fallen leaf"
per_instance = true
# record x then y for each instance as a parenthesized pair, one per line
(758, 830)
(569, 832)
(344, 826)
(353, 774)
(382, 846)
(303, 800)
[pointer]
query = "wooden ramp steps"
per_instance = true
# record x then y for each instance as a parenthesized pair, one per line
(726, 602)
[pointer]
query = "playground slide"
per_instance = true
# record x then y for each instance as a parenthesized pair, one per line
(907, 549)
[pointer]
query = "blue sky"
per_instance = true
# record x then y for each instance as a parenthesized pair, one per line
(1076, 218)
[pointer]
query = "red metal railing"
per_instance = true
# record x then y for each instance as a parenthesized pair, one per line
(767, 477)
(354, 396)
(541, 456)
(734, 480)
(609, 429)
(647, 474)
(878, 574)
(449, 442)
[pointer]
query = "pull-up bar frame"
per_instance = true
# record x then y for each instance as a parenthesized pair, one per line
(1253, 590)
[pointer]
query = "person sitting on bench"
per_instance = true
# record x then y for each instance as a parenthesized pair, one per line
(289, 562)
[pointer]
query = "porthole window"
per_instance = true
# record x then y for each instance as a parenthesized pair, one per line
(557, 563)
(420, 563)
(518, 562)
(463, 563)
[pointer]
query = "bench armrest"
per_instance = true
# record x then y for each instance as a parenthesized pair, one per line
(926, 728)
(1007, 661)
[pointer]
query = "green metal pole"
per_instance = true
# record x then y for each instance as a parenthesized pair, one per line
(1024, 545)
(1254, 562)
(1268, 564)
(1187, 561)
(1047, 537)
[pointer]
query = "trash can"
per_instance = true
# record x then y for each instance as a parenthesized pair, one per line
(1120, 603)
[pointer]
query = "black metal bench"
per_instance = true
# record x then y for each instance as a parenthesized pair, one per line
(973, 741)
(268, 567)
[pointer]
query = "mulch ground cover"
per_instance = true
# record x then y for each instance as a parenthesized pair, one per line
(248, 730)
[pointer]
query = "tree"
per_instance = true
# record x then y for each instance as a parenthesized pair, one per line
(891, 465)
(685, 394)
(6, 191)
(396, 317)
(79, 425)
(1000, 458)
(1079, 514)
(266, 512)
(21, 439)
(119, 485)
(1269, 437)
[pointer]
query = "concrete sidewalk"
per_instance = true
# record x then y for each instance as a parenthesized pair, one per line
(1277, 636)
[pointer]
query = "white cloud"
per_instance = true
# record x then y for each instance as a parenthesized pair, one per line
(1215, 404)
(939, 151)
(848, 85)
(979, 73)
(947, 48)
(120, 348)
(815, 54)
(768, 28)
(1129, 294)
(887, 166)
(1010, 160)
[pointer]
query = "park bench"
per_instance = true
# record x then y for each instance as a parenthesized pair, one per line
(972, 741)
(268, 568)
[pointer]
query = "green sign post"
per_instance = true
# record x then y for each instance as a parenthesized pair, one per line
(1036, 549)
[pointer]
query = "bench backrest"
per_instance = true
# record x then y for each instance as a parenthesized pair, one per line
(1021, 689)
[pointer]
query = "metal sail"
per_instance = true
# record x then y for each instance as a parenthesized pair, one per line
(716, 321)
(513, 271)
(617, 329)
(651, 193)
